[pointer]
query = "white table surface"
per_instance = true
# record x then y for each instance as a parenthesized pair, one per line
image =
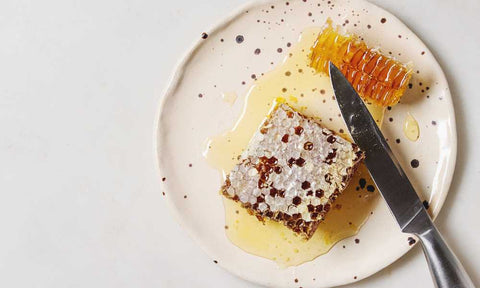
(80, 198)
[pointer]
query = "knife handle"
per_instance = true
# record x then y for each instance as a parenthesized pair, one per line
(446, 270)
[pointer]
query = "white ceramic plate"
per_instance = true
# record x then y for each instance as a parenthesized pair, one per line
(219, 64)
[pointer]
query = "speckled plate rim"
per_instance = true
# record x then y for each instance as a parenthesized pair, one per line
(175, 80)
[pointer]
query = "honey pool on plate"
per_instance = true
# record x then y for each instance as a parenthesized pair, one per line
(310, 93)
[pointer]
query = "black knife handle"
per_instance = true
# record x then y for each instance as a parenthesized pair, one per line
(447, 271)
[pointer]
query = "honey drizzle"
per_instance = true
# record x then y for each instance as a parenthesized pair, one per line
(311, 94)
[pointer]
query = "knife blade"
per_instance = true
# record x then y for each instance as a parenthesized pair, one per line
(394, 185)
(385, 169)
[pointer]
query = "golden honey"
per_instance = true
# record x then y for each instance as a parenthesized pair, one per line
(410, 128)
(229, 97)
(309, 92)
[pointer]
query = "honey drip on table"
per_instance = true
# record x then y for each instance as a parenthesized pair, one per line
(410, 128)
(311, 94)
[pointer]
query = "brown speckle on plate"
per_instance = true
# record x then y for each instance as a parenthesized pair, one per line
(411, 241)
(415, 163)
(426, 204)
(239, 39)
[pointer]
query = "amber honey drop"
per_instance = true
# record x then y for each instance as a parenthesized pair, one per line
(411, 128)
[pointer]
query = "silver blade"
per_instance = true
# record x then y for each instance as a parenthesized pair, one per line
(384, 168)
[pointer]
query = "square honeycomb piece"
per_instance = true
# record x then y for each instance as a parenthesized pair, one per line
(292, 171)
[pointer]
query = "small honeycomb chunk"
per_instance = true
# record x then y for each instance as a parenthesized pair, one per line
(376, 77)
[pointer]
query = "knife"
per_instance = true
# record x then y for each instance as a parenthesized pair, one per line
(395, 187)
